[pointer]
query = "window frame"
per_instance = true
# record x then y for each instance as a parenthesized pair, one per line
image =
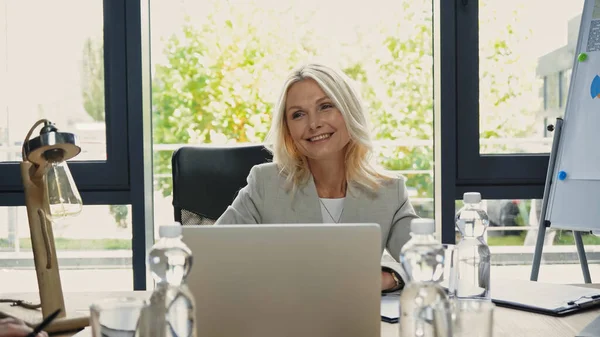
(126, 176)
(496, 176)
(98, 175)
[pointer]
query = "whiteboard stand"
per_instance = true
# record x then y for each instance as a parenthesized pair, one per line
(539, 245)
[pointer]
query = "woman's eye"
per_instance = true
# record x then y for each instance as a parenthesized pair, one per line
(296, 114)
(326, 106)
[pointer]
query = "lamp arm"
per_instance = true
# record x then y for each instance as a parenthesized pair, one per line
(24, 154)
(46, 237)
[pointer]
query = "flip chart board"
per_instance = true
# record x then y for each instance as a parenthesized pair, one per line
(574, 198)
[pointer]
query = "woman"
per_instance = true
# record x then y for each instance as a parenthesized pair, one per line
(11, 327)
(321, 170)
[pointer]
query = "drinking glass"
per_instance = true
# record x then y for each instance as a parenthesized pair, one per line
(473, 317)
(463, 318)
(115, 317)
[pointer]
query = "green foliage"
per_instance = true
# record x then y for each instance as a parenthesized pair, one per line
(508, 240)
(507, 80)
(217, 83)
(399, 95)
(565, 237)
(120, 214)
(75, 244)
(92, 71)
(214, 93)
(562, 238)
(211, 89)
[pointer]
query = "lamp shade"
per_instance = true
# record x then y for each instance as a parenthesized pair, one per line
(51, 146)
(50, 151)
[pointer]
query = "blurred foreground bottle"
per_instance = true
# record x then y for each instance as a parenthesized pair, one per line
(422, 258)
(171, 308)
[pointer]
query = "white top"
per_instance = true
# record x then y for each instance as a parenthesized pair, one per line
(331, 209)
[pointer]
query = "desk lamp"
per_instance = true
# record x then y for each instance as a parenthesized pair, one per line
(50, 193)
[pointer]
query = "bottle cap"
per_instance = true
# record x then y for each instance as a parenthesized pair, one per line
(472, 198)
(170, 231)
(422, 226)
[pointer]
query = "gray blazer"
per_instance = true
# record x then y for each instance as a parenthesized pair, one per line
(265, 201)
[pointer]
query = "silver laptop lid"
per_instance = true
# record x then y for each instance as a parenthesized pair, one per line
(286, 280)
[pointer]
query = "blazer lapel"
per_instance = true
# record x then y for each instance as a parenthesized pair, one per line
(350, 213)
(307, 208)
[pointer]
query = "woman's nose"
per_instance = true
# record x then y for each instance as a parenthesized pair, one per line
(315, 122)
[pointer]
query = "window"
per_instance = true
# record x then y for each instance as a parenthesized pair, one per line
(59, 79)
(58, 73)
(519, 86)
(517, 83)
(99, 240)
(218, 67)
(82, 72)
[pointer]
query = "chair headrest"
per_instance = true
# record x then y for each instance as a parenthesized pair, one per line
(206, 179)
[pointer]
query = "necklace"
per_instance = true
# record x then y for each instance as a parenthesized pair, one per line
(331, 216)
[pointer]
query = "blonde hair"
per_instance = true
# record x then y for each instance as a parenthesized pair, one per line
(336, 85)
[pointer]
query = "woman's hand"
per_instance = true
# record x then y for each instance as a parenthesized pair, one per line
(387, 281)
(12, 327)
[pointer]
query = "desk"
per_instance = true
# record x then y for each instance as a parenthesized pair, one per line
(507, 322)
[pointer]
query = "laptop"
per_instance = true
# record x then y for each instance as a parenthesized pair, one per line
(296, 280)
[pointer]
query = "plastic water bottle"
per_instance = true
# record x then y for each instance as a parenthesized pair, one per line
(422, 258)
(171, 308)
(473, 253)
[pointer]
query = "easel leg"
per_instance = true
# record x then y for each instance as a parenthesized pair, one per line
(539, 245)
(537, 255)
(582, 258)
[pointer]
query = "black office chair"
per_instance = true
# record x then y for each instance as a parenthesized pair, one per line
(206, 179)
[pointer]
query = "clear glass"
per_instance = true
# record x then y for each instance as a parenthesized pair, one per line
(524, 71)
(462, 318)
(254, 44)
(55, 72)
(61, 192)
(473, 318)
(116, 316)
(93, 250)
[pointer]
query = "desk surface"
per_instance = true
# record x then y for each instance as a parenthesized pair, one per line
(507, 322)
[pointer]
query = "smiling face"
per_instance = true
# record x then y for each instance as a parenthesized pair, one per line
(316, 126)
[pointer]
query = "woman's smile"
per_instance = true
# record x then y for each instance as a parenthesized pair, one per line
(320, 138)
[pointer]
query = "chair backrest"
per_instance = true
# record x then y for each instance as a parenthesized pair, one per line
(206, 179)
